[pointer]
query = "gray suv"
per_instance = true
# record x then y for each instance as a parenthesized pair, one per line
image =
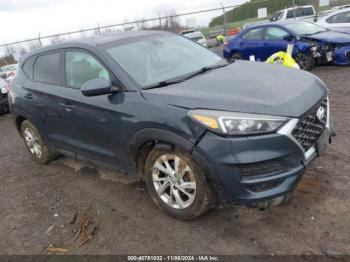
(164, 110)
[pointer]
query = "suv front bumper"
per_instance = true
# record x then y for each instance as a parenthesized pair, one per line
(249, 170)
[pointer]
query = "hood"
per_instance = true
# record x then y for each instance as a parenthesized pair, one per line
(250, 87)
(332, 37)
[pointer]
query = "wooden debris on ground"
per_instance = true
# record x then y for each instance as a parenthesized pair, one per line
(85, 228)
(57, 250)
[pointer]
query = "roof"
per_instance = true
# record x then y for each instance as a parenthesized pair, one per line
(111, 37)
(94, 40)
(278, 23)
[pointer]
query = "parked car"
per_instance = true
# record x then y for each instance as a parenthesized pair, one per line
(195, 36)
(4, 89)
(337, 21)
(336, 8)
(313, 44)
(306, 12)
(9, 70)
(172, 113)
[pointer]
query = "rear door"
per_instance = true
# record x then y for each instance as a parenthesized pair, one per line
(252, 43)
(39, 89)
(274, 41)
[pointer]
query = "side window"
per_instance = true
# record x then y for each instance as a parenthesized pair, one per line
(339, 18)
(82, 67)
(47, 68)
(299, 12)
(28, 67)
(280, 16)
(275, 33)
(254, 34)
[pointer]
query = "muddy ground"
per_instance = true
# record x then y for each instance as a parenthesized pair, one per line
(37, 204)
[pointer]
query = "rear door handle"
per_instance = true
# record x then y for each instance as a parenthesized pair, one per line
(67, 106)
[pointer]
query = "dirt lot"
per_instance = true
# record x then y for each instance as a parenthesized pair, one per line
(38, 203)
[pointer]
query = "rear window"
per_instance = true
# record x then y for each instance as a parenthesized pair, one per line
(301, 11)
(47, 68)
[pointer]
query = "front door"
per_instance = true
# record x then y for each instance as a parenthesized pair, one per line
(274, 41)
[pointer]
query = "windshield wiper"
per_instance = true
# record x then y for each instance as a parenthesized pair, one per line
(171, 82)
(162, 84)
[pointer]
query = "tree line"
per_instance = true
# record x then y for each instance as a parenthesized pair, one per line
(250, 10)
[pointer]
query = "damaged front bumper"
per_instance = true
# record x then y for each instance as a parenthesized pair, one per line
(338, 55)
(341, 55)
(263, 169)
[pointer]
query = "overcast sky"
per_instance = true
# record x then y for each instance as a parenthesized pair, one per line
(22, 19)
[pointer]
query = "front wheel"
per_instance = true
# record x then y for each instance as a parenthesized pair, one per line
(306, 62)
(177, 185)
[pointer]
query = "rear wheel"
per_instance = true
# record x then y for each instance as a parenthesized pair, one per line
(35, 144)
(235, 56)
(177, 185)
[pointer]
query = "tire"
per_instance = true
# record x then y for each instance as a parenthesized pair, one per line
(199, 196)
(235, 56)
(306, 62)
(35, 144)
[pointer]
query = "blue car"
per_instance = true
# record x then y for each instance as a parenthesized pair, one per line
(313, 44)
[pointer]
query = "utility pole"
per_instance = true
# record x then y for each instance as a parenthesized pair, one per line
(294, 9)
(39, 39)
(225, 18)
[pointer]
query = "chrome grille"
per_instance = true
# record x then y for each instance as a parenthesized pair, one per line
(310, 128)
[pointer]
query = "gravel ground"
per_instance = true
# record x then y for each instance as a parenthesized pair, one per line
(38, 204)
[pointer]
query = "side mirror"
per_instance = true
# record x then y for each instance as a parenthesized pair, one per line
(289, 38)
(97, 87)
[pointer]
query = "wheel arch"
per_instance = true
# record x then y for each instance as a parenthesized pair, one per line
(147, 139)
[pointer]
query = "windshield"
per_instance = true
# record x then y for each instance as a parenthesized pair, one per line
(160, 58)
(303, 28)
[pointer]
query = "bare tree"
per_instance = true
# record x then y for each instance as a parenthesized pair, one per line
(56, 39)
(83, 33)
(33, 45)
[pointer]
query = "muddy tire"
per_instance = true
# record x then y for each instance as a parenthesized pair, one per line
(177, 185)
(35, 144)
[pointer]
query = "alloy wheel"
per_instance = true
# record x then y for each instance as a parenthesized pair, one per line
(174, 181)
(33, 142)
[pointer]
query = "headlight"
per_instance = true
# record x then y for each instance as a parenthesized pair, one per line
(230, 123)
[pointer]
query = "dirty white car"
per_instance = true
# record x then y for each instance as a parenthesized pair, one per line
(336, 21)
(195, 36)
